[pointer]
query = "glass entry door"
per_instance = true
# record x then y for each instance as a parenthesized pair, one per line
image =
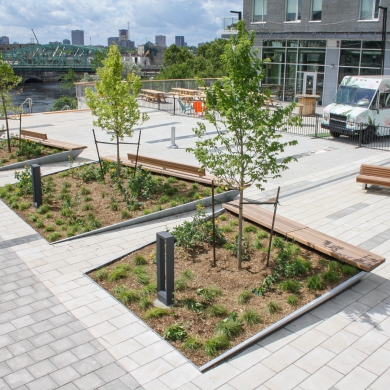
(309, 83)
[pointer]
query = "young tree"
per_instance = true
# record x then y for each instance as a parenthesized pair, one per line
(251, 142)
(114, 104)
(8, 80)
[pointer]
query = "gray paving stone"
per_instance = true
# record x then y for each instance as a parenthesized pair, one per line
(6, 328)
(42, 339)
(4, 370)
(3, 385)
(65, 375)
(43, 326)
(62, 345)
(87, 365)
(61, 319)
(129, 381)
(6, 340)
(22, 311)
(42, 315)
(114, 385)
(69, 386)
(44, 383)
(84, 350)
(104, 358)
(41, 353)
(62, 331)
(89, 382)
(110, 372)
(42, 368)
(63, 359)
(20, 347)
(18, 378)
(20, 362)
(82, 337)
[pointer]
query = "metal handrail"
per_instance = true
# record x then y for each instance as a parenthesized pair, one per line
(30, 104)
(66, 107)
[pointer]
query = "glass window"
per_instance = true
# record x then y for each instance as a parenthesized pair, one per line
(354, 96)
(292, 56)
(316, 10)
(310, 68)
(259, 10)
(347, 72)
(274, 77)
(275, 43)
(293, 10)
(292, 43)
(314, 43)
(369, 9)
(371, 58)
(289, 83)
(384, 100)
(275, 55)
(310, 56)
(352, 44)
(372, 45)
(350, 57)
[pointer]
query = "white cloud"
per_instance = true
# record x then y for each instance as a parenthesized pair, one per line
(197, 20)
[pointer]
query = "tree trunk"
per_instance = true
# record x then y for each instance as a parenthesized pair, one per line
(239, 243)
(118, 160)
(6, 123)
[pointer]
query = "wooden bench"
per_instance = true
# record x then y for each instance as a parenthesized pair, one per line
(321, 242)
(373, 174)
(44, 140)
(164, 164)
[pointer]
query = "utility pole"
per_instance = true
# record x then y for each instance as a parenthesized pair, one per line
(384, 26)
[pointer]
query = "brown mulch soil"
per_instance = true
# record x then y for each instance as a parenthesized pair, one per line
(7, 158)
(226, 277)
(95, 203)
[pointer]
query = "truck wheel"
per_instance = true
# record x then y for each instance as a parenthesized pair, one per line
(333, 134)
(367, 135)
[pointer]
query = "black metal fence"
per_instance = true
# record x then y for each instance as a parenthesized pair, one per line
(314, 126)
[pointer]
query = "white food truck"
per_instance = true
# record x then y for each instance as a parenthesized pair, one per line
(361, 108)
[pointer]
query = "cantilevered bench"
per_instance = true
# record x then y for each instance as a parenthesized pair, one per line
(43, 139)
(373, 174)
(321, 242)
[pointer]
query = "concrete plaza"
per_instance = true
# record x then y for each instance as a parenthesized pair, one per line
(60, 330)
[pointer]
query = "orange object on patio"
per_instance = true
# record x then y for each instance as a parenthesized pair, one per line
(198, 108)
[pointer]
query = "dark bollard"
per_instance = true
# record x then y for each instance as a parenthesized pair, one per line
(165, 267)
(36, 184)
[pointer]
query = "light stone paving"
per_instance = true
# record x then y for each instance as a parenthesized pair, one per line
(60, 330)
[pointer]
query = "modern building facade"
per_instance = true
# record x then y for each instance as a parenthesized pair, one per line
(78, 37)
(313, 44)
(4, 40)
(66, 41)
(161, 40)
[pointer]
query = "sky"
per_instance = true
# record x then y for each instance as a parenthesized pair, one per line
(53, 20)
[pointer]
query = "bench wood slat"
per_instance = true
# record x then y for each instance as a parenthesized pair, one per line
(167, 164)
(321, 242)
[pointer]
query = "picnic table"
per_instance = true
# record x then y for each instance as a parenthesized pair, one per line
(185, 91)
(154, 96)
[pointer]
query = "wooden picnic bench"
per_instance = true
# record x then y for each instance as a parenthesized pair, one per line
(44, 140)
(373, 174)
(167, 165)
(321, 242)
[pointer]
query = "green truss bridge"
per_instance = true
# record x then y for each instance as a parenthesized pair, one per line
(32, 61)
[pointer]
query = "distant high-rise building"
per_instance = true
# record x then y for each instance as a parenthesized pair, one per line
(78, 37)
(179, 41)
(161, 40)
(128, 44)
(55, 43)
(4, 40)
(112, 40)
(66, 41)
(123, 35)
(200, 44)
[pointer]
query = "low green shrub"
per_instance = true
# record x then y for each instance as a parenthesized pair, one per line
(175, 332)
(121, 271)
(54, 236)
(216, 344)
(24, 205)
(43, 209)
(292, 300)
(292, 286)
(315, 283)
(331, 276)
(251, 317)
(50, 228)
(85, 191)
(144, 302)
(125, 214)
(156, 312)
(192, 344)
(349, 270)
(101, 274)
(208, 294)
(245, 297)
(273, 307)
(128, 296)
(228, 327)
(140, 260)
(87, 207)
(334, 266)
(217, 310)
(250, 229)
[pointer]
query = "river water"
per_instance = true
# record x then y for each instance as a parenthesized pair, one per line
(43, 96)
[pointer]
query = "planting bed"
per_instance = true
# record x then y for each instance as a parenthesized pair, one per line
(78, 201)
(24, 151)
(219, 307)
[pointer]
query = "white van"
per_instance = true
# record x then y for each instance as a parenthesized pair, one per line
(361, 107)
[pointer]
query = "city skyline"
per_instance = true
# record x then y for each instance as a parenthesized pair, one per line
(53, 20)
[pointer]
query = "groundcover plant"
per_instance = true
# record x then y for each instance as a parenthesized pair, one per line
(218, 307)
(79, 200)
